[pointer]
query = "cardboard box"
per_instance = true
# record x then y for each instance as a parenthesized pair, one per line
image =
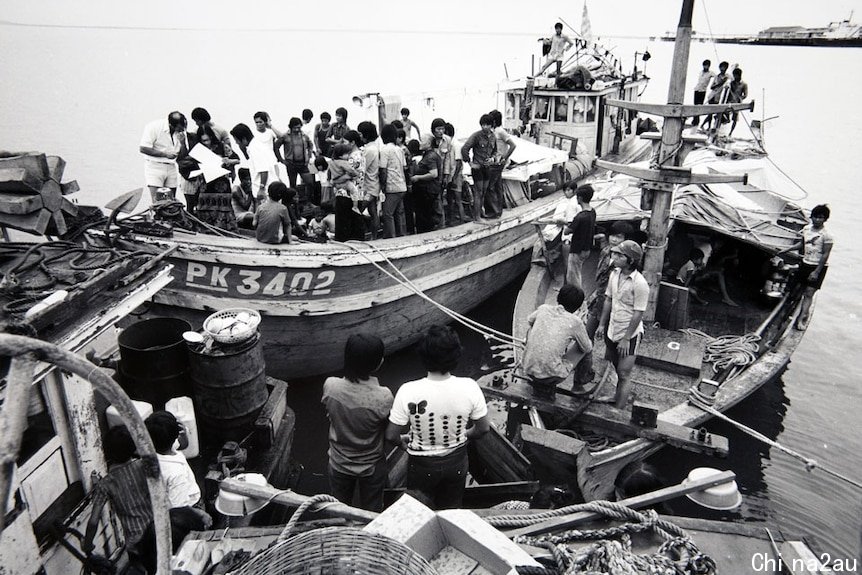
(454, 541)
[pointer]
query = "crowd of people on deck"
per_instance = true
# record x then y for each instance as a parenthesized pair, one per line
(325, 181)
(721, 88)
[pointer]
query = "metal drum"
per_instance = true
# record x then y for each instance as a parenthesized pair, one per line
(229, 384)
(154, 360)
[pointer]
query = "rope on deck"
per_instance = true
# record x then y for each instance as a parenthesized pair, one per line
(678, 554)
(728, 350)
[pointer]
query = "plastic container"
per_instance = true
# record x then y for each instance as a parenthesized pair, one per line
(113, 416)
(184, 410)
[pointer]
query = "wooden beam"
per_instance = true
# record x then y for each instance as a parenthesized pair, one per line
(35, 163)
(610, 419)
(291, 499)
(19, 204)
(639, 502)
(681, 110)
(682, 176)
(19, 180)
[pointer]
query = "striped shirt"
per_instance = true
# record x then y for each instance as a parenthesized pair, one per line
(125, 486)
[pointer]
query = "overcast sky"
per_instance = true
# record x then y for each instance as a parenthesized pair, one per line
(608, 17)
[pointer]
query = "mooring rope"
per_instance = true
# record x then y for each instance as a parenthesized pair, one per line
(810, 463)
(485, 331)
(728, 350)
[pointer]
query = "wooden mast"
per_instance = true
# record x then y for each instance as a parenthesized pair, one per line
(665, 170)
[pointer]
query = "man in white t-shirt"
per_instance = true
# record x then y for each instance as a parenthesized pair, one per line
(434, 417)
(625, 303)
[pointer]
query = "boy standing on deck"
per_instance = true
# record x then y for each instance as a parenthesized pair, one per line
(625, 303)
(583, 228)
(703, 80)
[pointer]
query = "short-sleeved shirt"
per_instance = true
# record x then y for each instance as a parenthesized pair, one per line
(392, 160)
(125, 486)
(371, 172)
(180, 482)
(358, 413)
(438, 410)
(504, 139)
(271, 218)
(583, 229)
(484, 148)
(628, 294)
(686, 272)
(552, 332)
(716, 87)
(813, 244)
(157, 135)
(703, 80)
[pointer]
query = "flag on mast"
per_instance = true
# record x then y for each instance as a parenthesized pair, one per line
(586, 29)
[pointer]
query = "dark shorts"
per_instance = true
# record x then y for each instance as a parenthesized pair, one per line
(805, 271)
(438, 481)
(612, 353)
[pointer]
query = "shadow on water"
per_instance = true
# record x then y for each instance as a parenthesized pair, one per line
(310, 443)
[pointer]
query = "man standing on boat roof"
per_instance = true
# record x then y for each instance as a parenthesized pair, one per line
(559, 44)
(625, 303)
(703, 80)
(161, 143)
(736, 93)
(715, 90)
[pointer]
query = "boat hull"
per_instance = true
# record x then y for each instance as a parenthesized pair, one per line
(313, 296)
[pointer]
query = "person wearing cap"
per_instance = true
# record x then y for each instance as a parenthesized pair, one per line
(626, 300)
(426, 184)
(618, 233)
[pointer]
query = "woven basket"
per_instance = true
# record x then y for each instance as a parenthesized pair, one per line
(229, 314)
(334, 551)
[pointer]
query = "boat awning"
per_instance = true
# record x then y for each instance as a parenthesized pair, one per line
(749, 213)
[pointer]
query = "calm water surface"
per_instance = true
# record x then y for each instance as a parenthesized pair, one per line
(86, 95)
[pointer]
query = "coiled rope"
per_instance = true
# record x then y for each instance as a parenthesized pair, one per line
(401, 279)
(728, 351)
(678, 554)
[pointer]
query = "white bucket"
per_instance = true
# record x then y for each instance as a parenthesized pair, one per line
(143, 408)
(184, 410)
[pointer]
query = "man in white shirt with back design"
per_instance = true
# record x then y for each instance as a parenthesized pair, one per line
(434, 417)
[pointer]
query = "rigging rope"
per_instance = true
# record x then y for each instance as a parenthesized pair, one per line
(727, 351)
(809, 462)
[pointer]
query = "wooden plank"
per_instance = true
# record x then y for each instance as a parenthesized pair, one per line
(51, 195)
(481, 496)
(35, 222)
(670, 351)
(554, 454)
(70, 187)
(35, 163)
(798, 559)
(56, 167)
(271, 416)
(19, 204)
(19, 180)
(493, 459)
(608, 418)
(639, 502)
(69, 207)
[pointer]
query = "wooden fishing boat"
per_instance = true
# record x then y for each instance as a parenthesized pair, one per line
(313, 296)
(729, 196)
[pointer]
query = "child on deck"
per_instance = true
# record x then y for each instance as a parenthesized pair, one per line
(689, 269)
(342, 174)
(321, 227)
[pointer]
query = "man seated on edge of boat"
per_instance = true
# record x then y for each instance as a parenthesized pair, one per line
(272, 219)
(434, 417)
(625, 303)
(125, 486)
(184, 494)
(816, 245)
(557, 344)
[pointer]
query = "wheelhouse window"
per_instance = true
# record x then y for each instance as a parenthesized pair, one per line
(543, 108)
(591, 108)
(561, 109)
